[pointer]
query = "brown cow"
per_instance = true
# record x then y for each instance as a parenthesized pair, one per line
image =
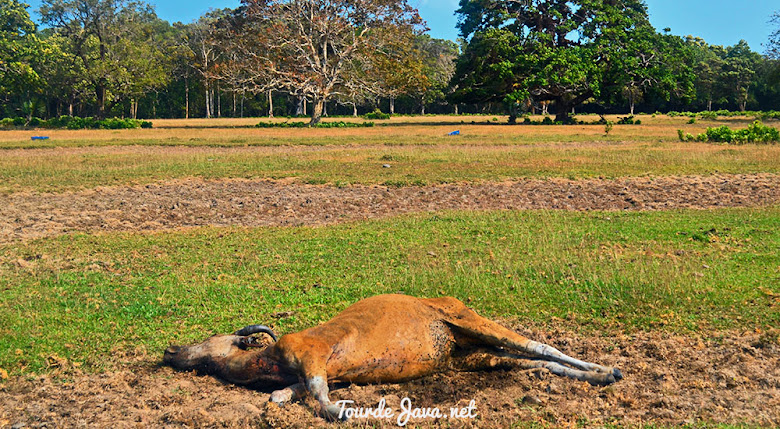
(383, 339)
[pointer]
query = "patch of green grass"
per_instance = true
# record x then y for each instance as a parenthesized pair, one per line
(93, 299)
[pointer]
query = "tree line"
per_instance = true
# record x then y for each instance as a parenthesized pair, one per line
(117, 58)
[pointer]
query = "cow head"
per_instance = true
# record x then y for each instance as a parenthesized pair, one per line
(240, 358)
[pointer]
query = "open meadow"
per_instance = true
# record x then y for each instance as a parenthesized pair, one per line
(633, 249)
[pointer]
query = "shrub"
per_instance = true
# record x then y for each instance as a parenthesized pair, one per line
(342, 124)
(376, 115)
(146, 124)
(710, 116)
(339, 124)
(628, 120)
(755, 133)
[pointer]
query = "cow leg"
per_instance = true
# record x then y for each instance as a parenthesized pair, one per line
(288, 394)
(318, 386)
(477, 327)
(484, 359)
(308, 358)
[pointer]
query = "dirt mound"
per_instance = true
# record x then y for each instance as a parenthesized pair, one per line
(730, 378)
(189, 203)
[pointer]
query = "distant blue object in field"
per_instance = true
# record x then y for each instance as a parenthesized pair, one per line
(40, 138)
(454, 133)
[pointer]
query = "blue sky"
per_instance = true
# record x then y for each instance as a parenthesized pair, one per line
(719, 22)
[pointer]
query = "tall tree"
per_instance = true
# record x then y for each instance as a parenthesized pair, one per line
(438, 66)
(115, 41)
(19, 46)
(561, 51)
(89, 24)
(773, 48)
(312, 43)
(739, 73)
(708, 66)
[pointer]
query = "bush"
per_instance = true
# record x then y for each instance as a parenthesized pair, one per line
(755, 133)
(339, 124)
(709, 116)
(342, 124)
(19, 121)
(146, 124)
(629, 120)
(376, 115)
(76, 123)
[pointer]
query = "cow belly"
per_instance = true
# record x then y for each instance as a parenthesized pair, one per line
(399, 358)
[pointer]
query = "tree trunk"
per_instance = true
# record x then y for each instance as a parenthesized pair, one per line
(304, 107)
(562, 115)
(325, 108)
(317, 111)
(101, 99)
(208, 104)
(235, 103)
(243, 95)
(456, 109)
(186, 98)
(392, 105)
(299, 107)
(354, 110)
(709, 105)
(632, 107)
(270, 104)
(219, 102)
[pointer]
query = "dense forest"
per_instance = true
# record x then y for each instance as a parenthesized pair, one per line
(117, 58)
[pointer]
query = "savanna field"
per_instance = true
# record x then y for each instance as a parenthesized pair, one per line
(629, 248)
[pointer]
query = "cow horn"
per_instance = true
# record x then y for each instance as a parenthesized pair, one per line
(255, 329)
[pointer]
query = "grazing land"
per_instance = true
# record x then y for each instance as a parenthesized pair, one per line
(635, 249)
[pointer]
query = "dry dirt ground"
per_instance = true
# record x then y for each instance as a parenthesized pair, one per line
(189, 203)
(669, 380)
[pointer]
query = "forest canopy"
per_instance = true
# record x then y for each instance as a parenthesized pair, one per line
(117, 58)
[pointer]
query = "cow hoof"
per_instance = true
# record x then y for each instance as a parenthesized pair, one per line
(617, 374)
(280, 397)
(333, 413)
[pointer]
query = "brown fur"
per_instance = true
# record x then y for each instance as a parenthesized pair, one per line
(386, 338)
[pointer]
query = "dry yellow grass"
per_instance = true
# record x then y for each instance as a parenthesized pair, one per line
(397, 130)
(417, 150)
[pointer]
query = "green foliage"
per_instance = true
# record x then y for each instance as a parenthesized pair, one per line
(755, 133)
(77, 123)
(19, 45)
(376, 115)
(608, 127)
(691, 121)
(710, 116)
(566, 52)
(337, 124)
(629, 120)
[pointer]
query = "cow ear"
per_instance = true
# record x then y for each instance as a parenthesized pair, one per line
(250, 342)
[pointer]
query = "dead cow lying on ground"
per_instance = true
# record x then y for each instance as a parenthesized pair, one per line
(386, 338)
